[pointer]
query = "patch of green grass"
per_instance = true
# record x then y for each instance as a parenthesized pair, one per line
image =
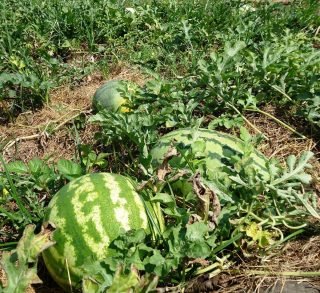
(39, 39)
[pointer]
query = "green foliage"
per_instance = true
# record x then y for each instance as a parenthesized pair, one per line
(217, 60)
(68, 169)
(167, 261)
(249, 57)
(256, 217)
(265, 210)
(20, 264)
(122, 281)
(282, 70)
(139, 129)
(26, 188)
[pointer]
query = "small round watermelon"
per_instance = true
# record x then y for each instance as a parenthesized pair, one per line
(109, 97)
(87, 214)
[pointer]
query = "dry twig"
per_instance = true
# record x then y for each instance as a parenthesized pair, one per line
(44, 132)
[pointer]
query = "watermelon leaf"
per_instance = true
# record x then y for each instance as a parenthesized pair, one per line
(124, 282)
(68, 169)
(96, 278)
(20, 264)
(196, 231)
(296, 169)
(17, 167)
(245, 135)
(169, 202)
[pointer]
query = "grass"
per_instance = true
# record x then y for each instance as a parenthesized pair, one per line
(44, 46)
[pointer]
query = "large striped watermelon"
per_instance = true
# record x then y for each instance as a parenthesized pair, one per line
(87, 214)
(109, 97)
(211, 150)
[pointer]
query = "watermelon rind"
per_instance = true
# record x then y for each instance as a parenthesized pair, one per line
(87, 214)
(216, 153)
(108, 97)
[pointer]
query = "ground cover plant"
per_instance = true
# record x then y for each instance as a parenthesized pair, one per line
(168, 37)
(207, 66)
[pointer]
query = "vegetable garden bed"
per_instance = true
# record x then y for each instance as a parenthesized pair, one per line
(212, 123)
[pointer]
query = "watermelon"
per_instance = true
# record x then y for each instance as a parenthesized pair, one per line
(87, 214)
(212, 154)
(109, 97)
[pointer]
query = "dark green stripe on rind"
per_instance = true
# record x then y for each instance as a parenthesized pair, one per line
(218, 146)
(84, 214)
(66, 213)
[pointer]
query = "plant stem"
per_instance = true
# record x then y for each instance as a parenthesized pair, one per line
(208, 268)
(219, 264)
(14, 192)
(247, 121)
(279, 90)
(293, 227)
(277, 120)
(285, 239)
(9, 215)
(8, 244)
(270, 273)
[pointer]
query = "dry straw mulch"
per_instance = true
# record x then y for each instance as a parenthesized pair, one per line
(43, 133)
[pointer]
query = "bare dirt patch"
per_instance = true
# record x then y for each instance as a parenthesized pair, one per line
(43, 133)
(268, 274)
(282, 142)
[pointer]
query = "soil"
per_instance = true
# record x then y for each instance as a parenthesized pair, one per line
(44, 134)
